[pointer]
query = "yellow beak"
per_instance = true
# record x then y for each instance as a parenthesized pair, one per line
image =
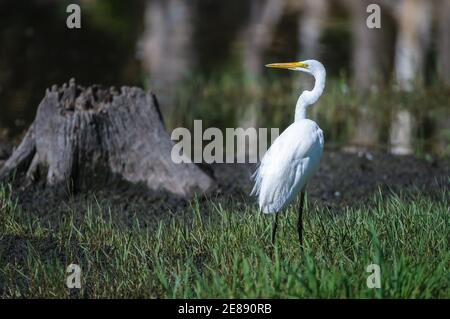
(289, 65)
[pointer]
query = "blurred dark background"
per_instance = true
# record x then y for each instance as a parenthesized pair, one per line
(205, 59)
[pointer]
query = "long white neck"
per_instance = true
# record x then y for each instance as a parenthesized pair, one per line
(310, 97)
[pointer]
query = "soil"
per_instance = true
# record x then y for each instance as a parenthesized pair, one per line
(343, 179)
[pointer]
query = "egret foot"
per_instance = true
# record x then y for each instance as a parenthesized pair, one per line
(300, 218)
(274, 228)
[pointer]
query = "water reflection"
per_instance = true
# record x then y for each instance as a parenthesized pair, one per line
(38, 50)
(176, 47)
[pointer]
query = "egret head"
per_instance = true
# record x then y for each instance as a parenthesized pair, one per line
(317, 70)
(308, 66)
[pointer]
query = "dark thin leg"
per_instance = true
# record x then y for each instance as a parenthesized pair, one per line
(300, 218)
(274, 228)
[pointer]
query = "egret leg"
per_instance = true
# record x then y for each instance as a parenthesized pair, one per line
(300, 218)
(274, 228)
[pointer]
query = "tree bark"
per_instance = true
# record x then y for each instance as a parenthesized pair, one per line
(367, 44)
(366, 68)
(444, 41)
(311, 24)
(412, 42)
(256, 38)
(165, 47)
(87, 137)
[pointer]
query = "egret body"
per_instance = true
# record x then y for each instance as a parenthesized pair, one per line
(294, 156)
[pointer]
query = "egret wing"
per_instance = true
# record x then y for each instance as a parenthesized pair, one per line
(287, 165)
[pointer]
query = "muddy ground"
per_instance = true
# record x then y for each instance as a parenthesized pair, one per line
(343, 179)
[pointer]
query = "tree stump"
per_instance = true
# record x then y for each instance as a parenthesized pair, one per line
(83, 137)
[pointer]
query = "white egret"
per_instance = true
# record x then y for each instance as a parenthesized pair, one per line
(294, 156)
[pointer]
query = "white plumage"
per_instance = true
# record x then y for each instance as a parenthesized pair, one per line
(294, 156)
(287, 166)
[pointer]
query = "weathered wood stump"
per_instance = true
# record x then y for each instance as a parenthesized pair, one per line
(88, 136)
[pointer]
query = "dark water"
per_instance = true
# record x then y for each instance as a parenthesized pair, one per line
(37, 50)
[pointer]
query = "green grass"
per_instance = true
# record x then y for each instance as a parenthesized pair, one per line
(216, 251)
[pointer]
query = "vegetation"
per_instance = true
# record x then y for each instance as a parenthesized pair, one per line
(217, 249)
(226, 252)
(222, 100)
